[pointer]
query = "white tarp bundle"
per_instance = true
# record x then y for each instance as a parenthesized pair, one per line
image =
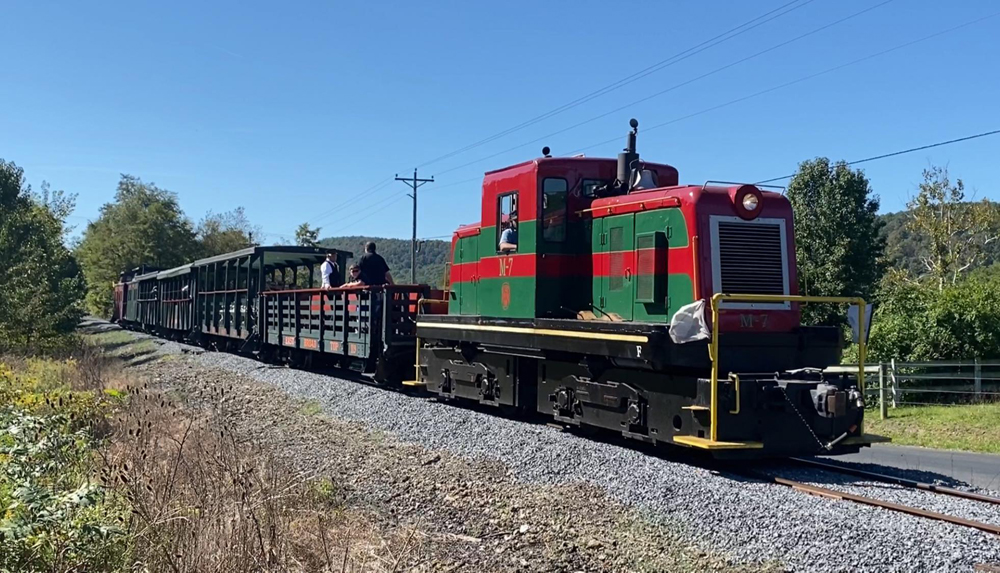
(688, 323)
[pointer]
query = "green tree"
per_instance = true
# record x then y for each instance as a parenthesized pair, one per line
(226, 232)
(958, 234)
(839, 249)
(143, 225)
(920, 321)
(41, 283)
(306, 236)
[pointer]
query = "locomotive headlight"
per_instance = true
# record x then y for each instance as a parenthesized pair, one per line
(747, 201)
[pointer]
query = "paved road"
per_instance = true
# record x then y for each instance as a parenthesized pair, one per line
(982, 470)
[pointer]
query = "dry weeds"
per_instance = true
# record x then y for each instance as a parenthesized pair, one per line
(203, 497)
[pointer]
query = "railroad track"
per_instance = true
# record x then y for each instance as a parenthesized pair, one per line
(874, 476)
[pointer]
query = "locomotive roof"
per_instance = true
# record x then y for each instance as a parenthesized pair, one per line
(275, 255)
(570, 161)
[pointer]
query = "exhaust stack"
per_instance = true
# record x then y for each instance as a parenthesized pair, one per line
(626, 158)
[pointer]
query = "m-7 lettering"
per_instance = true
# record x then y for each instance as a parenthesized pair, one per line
(506, 263)
(753, 321)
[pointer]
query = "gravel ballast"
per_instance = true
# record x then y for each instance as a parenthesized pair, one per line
(752, 522)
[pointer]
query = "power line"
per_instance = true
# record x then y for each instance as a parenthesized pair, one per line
(662, 64)
(361, 207)
(799, 80)
(374, 209)
(373, 189)
(772, 89)
(677, 86)
(680, 56)
(775, 88)
(856, 162)
(903, 152)
(716, 40)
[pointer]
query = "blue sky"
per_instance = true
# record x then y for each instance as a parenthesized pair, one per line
(298, 111)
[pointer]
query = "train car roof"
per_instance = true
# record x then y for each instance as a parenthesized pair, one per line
(145, 277)
(275, 255)
(174, 272)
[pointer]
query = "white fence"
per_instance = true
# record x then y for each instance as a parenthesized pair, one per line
(940, 383)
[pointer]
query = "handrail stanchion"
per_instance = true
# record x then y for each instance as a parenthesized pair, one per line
(714, 355)
(420, 304)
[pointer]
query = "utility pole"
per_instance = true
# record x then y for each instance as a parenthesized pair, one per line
(414, 184)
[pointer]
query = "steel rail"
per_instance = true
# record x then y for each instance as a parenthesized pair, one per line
(841, 495)
(899, 481)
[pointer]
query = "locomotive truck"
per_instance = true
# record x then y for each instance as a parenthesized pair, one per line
(598, 291)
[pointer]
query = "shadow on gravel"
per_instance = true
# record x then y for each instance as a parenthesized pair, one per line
(915, 475)
(94, 327)
(736, 470)
(116, 345)
(144, 359)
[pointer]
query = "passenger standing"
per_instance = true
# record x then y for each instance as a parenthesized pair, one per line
(374, 270)
(327, 269)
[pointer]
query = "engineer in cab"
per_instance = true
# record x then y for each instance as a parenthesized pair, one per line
(508, 238)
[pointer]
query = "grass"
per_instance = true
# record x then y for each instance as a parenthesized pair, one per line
(311, 408)
(114, 337)
(973, 428)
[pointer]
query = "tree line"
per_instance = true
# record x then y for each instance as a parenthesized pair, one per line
(49, 282)
(930, 270)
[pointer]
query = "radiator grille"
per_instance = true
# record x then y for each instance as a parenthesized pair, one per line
(750, 258)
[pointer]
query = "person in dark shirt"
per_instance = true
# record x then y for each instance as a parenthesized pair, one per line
(374, 270)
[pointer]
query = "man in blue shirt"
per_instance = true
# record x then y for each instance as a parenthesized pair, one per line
(508, 238)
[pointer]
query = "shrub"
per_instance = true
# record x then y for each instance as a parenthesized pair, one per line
(56, 518)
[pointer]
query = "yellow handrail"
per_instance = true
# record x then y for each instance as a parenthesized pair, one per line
(719, 298)
(420, 304)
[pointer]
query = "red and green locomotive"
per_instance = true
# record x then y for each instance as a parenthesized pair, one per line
(564, 299)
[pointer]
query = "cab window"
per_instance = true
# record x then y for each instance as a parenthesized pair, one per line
(506, 224)
(554, 191)
(589, 185)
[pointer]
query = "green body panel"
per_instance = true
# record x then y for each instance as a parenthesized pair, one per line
(614, 293)
(661, 220)
(468, 250)
(520, 300)
(680, 291)
(468, 295)
(617, 286)
(521, 290)
(564, 296)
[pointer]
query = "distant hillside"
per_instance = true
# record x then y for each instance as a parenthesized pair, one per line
(904, 249)
(431, 259)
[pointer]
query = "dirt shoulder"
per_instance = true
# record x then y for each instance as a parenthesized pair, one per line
(412, 509)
